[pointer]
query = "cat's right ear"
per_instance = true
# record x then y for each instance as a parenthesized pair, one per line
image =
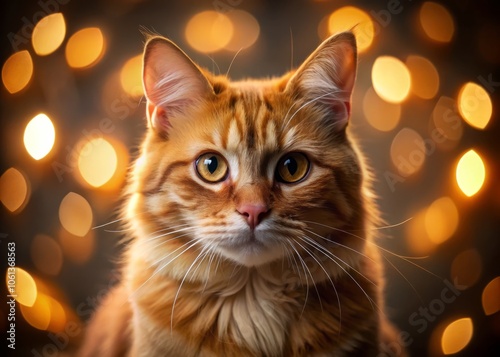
(172, 83)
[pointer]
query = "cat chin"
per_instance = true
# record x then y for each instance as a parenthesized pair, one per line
(252, 254)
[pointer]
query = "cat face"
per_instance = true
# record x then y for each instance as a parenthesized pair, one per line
(252, 171)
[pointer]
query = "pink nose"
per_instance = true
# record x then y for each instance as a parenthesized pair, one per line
(254, 213)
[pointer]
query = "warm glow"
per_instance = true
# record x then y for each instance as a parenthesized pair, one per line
(14, 190)
(424, 77)
(457, 335)
(391, 79)
(380, 114)
(466, 268)
(475, 105)
(350, 18)
(97, 162)
(39, 136)
(470, 173)
(246, 30)
(38, 315)
(58, 317)
(437, 22)
(209, 31)
(416, 235)
(85, 48)
(491, 297)
(23, 285)
(48, 34)
(448, 126)
(75, 248)
(17, 71)
(408, 152)
(131, 76)
(75, 214)
(46, 254)
(441, 220)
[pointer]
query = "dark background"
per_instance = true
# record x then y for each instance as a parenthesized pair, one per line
(74, 101)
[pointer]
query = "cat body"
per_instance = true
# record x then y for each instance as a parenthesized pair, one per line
(252, 218)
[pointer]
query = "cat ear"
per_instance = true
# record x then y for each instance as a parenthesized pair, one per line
(326, 78)
(172, 83)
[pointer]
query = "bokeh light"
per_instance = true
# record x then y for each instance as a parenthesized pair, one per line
(131, 76)
(75, 214)
(46, 314)
(457, 335)
(14, 190)
(437, 22)
(381, 115)
(441, 220)
(91, 154)
(416, 235)
(408, 152)
(49, 34)
(85, 48)
(475, 105)
(447, 126)
(246, 30)
(46, 254)
(17, 71)
(424, 77)
(350, 18)
(391, 79)
(38, 315)
(491, 297)
(470, 173)
(39, 136)
(466, 268)
(25, 290)
(209, 31)
(97, 162)
(77, 249)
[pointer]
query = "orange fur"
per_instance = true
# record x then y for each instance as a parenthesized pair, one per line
(197, 279)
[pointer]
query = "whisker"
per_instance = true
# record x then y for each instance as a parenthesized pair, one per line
(304, 267)
(326, 251)
(231, 64)
(303, 106)
(370, 300)
(107, 224)
(329, 278)
(402, 257)
(339, 244)
(180, 287)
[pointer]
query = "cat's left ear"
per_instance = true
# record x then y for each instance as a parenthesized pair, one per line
(173, 83)
(326, 78)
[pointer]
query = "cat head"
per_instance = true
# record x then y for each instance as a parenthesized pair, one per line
(254, 170)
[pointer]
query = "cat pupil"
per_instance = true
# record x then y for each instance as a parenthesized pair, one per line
(211, 164)
(291, 165)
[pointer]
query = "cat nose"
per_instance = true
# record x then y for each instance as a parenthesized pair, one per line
(254, 213)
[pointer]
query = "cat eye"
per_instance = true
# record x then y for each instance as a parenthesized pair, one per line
(292, 168)
(212, 167)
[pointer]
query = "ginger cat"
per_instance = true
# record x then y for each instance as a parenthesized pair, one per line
(251, 218)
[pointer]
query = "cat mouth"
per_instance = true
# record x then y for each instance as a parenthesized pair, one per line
(250, 250)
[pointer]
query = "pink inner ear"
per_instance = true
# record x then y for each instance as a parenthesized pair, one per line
(158, 118)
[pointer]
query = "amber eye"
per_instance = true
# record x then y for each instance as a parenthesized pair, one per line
(212, 167)
(292, 167)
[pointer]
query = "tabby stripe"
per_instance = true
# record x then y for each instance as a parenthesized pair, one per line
(164, 177)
